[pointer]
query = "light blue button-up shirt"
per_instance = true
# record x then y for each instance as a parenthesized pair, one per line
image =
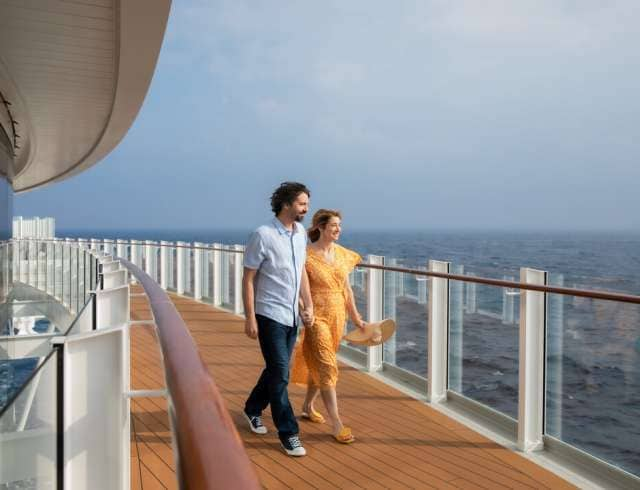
(279, 256)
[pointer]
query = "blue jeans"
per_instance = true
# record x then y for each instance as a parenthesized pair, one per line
(276, 342)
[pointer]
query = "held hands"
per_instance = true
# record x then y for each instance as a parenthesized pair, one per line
(251, 327)
(307, 317)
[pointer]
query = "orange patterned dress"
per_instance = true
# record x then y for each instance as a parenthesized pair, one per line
(314, 360)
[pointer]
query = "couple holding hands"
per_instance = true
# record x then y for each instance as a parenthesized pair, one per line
(291, 273)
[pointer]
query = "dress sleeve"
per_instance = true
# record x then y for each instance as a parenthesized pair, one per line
(351, 259)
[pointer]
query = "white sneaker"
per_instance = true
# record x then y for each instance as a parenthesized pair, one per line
(255, 424)
(292, 446)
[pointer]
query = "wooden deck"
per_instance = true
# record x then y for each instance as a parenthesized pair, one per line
(401, 442)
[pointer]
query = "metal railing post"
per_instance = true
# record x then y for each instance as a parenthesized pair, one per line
(151, 260)
(180, 267)
(121, 249)
(531, 387)
(216, 257)
(438, 329)
(197, 271)
(238, 307)
(164, 264)
(375, 304)
(109, 246)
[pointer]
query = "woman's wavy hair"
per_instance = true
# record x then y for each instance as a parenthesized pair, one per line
(319, 221)
(286, 193)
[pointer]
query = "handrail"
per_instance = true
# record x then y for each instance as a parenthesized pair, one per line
(209, 452)
(585, 293)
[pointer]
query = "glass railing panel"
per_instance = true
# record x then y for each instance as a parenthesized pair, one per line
(405, 301)
(359, 281)
(226, 279)
(483, 345)
(41, 275)
(82, 289)
(32, 248)
(73, 277)
(50, 247)
(30, 420)
(593, 377)
(58, 270)
(66, 275)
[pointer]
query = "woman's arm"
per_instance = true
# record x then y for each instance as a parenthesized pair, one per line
(352, 309)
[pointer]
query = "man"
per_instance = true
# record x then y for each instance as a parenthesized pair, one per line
(274, 280)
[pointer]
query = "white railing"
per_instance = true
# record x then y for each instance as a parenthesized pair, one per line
(450, 312)
(68, 424)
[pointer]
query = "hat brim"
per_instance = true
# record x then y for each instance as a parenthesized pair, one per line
(364, 337)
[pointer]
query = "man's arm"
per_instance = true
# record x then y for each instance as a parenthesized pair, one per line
(248, 296)
(305, 296)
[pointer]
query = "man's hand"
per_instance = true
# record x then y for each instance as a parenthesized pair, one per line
(251, 327)
(307, 317)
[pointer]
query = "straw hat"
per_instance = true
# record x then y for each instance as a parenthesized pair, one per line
(372, 334)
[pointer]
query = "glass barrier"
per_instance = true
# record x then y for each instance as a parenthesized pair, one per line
(206, 275)
(483, 344)
(405, 301)
(593, 376)
(359, 281)
(189, 271)
(29, 421)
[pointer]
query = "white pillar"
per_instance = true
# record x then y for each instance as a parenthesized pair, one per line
(83, 243)
(151, 259)
(164, 264)
(121, 249)
(198, 261)
(438, 332)
(216, 257)
(94, 243)
(238, 261)
(136, 253)
(375, 304)
(181, 265)
(531, 367)
(109, 247)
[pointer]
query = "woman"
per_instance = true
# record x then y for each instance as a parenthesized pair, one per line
(314, 363)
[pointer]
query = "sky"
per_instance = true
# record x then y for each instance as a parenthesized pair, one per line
(404, 115)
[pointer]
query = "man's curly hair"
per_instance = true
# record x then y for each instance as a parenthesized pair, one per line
(286, 193)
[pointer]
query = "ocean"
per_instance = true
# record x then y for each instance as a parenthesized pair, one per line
(593, 346)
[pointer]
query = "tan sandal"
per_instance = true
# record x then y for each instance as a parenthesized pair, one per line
(344, 436)
(313, 416)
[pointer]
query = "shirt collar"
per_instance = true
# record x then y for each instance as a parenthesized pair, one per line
(281, 229)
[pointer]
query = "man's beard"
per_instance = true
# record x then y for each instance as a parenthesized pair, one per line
(300, 218)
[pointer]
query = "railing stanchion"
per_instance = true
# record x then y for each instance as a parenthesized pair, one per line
(151, 259)
(217, 274)
(238, 308)
(198, 255)
(180, 267)
(164, 265)
(531, 366)
(375, 303)
(438, 328)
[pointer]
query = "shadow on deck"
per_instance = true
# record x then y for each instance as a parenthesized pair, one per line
(401, 442)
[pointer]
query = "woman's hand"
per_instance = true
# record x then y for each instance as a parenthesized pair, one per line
(360, 323)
